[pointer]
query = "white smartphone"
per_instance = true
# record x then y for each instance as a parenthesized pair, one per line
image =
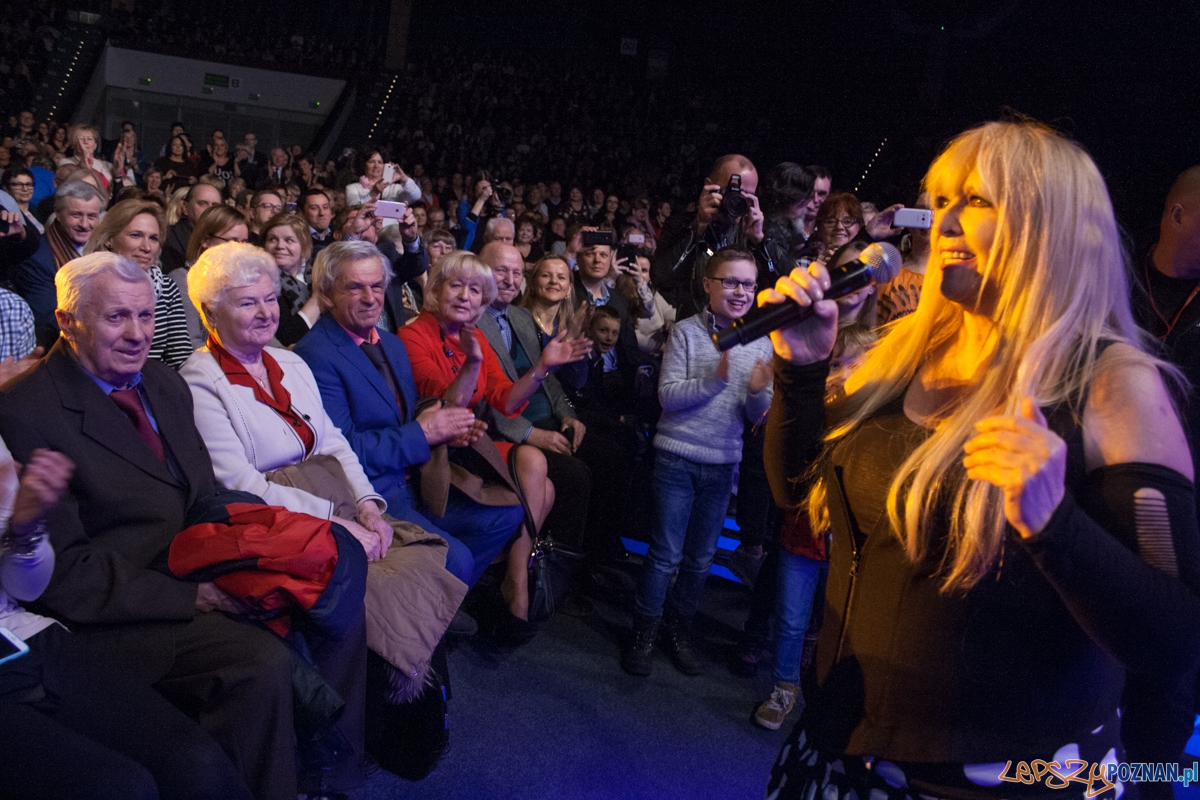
(11, 646)
(389, 173)
(912, 218)
(390, 209)
(637, 238)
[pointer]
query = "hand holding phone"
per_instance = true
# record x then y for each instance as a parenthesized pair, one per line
(913, 218)
(390, 209)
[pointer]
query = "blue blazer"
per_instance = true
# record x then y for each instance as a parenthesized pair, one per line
(355, 397)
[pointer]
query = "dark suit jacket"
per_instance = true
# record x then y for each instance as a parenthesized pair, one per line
(405, 267)
(386, 441)
(174, 249)
(34, 281)
(525, 329)
(124, 506)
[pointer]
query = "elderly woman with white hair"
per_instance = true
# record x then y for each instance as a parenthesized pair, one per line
(259, 411)
(453, 360)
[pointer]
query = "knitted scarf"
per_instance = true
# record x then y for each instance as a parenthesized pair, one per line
(60, 245)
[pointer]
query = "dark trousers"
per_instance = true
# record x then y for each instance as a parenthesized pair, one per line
(235, 679)
(76, 726)
(756, 517)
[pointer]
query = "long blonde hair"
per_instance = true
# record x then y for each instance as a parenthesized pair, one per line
(1057, 261)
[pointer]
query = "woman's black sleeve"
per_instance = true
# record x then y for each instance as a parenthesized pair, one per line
(795, 427)
(1133, 583)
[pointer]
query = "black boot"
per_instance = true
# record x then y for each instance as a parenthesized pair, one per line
(678, 645)
(638, 654)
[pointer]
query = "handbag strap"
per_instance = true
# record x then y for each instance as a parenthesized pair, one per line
(520, 492)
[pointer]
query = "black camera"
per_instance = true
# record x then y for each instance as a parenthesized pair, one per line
(503, 193)
(733, 203)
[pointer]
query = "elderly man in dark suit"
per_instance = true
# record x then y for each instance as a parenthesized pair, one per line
(140, 464)
(367, 388)
(590, 473)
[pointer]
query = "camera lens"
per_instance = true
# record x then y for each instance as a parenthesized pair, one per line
(735, 205)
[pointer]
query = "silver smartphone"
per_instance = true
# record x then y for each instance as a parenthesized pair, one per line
(912, 218)
(390, 209)
(11, 646)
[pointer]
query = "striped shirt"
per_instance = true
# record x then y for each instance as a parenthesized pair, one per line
(172, 345)
(17, 339)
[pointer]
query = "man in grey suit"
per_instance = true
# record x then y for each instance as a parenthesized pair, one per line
(590, 473)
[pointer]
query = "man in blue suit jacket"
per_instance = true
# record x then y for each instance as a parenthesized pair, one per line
(367, 389)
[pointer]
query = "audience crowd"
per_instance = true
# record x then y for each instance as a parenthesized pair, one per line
(413, 367)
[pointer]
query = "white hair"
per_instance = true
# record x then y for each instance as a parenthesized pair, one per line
(231, 265)
(74, 279)
(489, 230)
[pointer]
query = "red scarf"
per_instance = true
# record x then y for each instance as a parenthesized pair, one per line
(238, 375)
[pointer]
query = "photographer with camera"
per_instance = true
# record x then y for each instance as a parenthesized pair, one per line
(487, 200)
(727, 215)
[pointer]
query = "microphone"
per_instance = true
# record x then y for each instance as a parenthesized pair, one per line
(856, 265)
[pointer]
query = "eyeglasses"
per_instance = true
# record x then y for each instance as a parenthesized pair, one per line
(20, 185)
(844, 222)
(749, 287)
(224, 240)
(274, 208)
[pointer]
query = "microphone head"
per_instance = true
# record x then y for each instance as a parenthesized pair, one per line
(883, 259)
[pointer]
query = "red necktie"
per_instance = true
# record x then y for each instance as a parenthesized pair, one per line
(129, 401)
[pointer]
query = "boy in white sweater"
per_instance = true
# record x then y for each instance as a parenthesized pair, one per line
(705, 396)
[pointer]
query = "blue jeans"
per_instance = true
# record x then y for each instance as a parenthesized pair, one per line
(474, 532)
(793, 606)
(690, 504)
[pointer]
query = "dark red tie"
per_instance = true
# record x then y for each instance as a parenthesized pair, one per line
(129, 401)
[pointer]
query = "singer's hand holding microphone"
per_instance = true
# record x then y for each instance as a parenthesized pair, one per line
(811, 339)
(801, 312)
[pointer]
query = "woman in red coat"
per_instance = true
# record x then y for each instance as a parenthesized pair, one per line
(452, 360)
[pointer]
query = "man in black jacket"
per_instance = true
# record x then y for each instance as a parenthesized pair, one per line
(195, 203)
(686, 244)
(1166, 303)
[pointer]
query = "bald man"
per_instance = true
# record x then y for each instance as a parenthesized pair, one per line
(1166, 303)
(686, 243)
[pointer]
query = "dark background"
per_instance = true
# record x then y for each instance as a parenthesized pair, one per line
(833, 80)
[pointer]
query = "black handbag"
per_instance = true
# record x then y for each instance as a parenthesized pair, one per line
(553, 567)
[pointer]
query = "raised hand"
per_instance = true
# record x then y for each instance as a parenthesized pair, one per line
(1025, 459)
(760, 377)
(579, 321)
(561, 350)
(43, 482)
(812, 339)
(722, 370)
(470, 345)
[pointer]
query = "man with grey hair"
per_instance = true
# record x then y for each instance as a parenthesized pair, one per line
(368, 390)
(499, 229)
(140, 465)
(77, 209)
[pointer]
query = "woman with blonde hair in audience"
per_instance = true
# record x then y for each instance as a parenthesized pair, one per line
(135, 229)
(84, 140)
(452, 359)
(259, 411)
(217, 225)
